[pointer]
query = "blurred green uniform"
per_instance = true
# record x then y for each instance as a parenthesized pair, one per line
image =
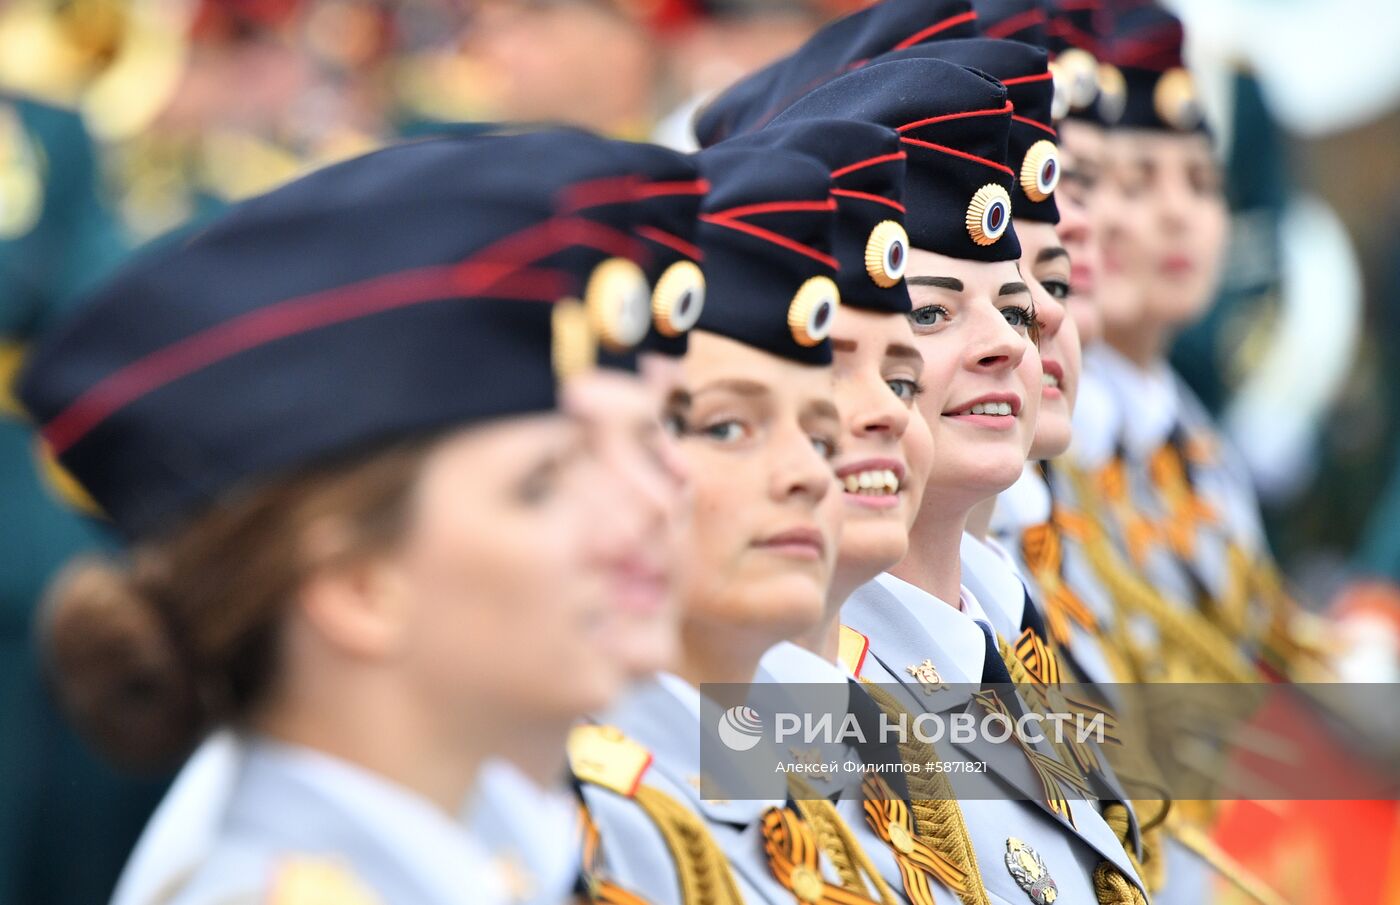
(66, 821)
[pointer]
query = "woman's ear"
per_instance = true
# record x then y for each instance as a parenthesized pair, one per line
(359, 605)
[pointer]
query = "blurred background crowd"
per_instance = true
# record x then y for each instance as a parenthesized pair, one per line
(123, 119)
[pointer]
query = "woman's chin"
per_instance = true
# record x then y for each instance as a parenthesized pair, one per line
(868, 550)
(978, 478)
(590, 688)
(782, 607)
(1052, 438)
(646, 650)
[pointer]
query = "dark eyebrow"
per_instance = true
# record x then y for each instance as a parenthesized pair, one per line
(900, 350)
(843, 345)
(734, 385)
(952, 283)
(677, 400)
(1013, 288)
(823, 408)
(1050, 254)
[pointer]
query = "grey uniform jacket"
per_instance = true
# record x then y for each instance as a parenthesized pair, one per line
(906, 626)
(270, 816)
(665, 717)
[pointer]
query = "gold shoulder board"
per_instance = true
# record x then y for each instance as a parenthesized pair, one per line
(851, 651)
(317, 881)
(603, 756)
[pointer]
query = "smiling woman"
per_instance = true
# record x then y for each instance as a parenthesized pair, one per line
(974, 324)
(976, 315)
(757, 558)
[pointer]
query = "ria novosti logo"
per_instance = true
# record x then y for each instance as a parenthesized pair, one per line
(740, 728)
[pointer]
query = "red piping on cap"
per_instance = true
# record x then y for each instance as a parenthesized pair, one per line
(1027, 79)
(1076, 37)
(774, 207)
(924, 34)
(598, 192)
(673, 242)
(956, 153)
(946, 117)
(677, 187)
(759, 232)
(862, 164)
(866, 196)
(1007, 27)
(289, 317)
(917, 37)
(1030, 122)
(483, 272)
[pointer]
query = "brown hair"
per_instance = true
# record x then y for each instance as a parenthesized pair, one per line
(148, 655)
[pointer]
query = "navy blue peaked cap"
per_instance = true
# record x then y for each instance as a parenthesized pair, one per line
(867, 182)
(405, 292)
(658, 191)
(1013, 20)
(844, 45)
(1074, 25)
(1145, 84)
(661, 191)
(953, 123)
(1033, 148)
(1074, 40)
(766, 231)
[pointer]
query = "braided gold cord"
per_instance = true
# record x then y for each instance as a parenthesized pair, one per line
(1112, 888)
(701, 867)
(1189, 647)
(1079, 754)
(845, 852)
(1149, 867)
(938, 817)
(827, 836)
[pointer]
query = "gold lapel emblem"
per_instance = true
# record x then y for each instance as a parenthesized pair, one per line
(928, 676)
(811, 759)
(1030, 873)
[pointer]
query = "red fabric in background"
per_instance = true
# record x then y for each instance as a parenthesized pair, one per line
(1316, 852)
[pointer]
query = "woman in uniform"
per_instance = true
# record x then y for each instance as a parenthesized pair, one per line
(758, 442)
(290, 414)
(885, 457)
(973, 322)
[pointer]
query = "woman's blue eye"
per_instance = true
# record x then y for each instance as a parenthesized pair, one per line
(1017, 316)
(826, 446)
(723, 431)
(1057, 289)
(928, 315)
(904, 388)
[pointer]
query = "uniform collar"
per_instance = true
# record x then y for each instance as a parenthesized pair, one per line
(1022, 505)
(1150, 395)
(665, 716)
(532, 828)
(431, 845)
(1097, 420)
(906, 625)
(793, 664)
(995, 586)
(185, 828)
(793, 679)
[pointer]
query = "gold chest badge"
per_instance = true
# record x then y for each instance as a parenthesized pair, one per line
(928, 676)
